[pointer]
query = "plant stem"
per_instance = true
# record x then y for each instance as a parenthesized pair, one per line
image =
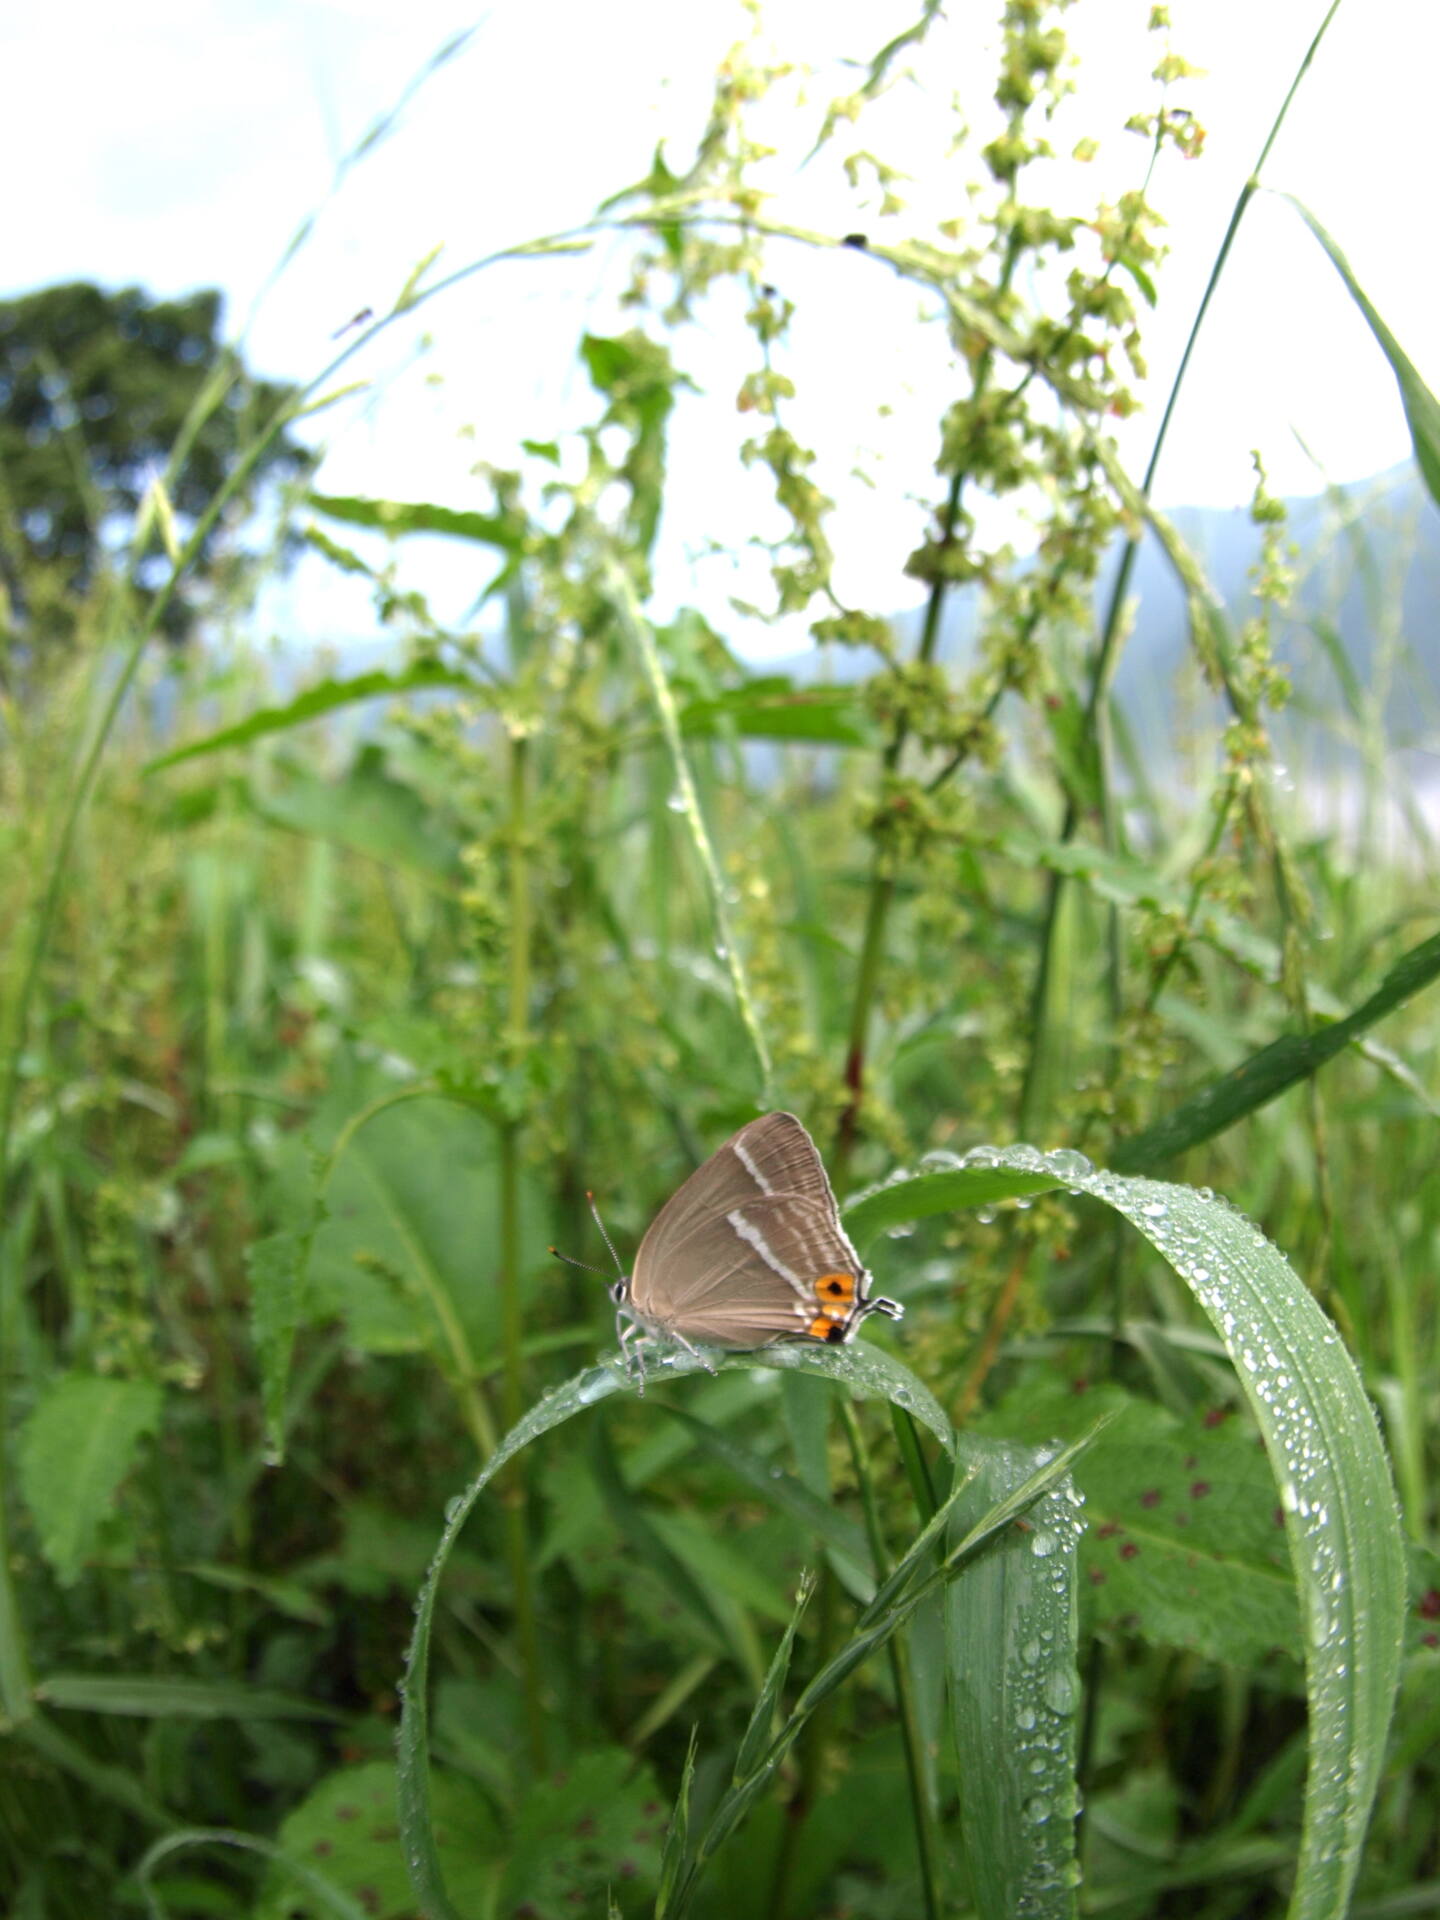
(882, 878)
(1106, 654)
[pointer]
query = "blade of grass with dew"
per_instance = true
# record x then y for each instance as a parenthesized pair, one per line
(1324, 1446)
(870, 1636)
(863, 1370)
(1011, 1631)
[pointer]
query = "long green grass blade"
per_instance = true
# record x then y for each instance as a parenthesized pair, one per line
(1283, 1064)
(1422, 409)
(1010, 1637)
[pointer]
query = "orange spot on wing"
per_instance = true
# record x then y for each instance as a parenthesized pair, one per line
(836, 1286)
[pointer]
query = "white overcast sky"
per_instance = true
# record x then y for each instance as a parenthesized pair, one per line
(181, 143)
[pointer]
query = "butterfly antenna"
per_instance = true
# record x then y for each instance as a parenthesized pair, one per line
(595, 1216)
(584, 1265)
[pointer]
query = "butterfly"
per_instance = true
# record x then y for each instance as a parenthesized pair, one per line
(748, 1252)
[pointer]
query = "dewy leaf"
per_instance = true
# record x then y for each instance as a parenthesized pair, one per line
(78, 1445)
(900, 1201)
(1341, 1520)
(1268, 1073)
(1010, 1634)
(1422, 410)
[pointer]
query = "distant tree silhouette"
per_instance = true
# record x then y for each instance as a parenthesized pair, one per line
(95, 389)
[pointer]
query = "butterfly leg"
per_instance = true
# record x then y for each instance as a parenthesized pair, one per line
(694, 1352)
(634, 1357)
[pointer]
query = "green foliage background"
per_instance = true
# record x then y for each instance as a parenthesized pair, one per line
(313, 1049)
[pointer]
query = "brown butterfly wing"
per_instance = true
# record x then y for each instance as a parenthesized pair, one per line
(770, 1156)
(761, 1271)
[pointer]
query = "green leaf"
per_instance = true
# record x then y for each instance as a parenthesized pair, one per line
(776, 710)
(1010, 1639)
(1422, 410)
(400, 1257)
(395, 517)
(349, 1823)
(598, 1825)
(901, 1201)
(1274, 1069)
(845, 1539)
(1342, 1524)
(326, 696)
(149, 1698)
(677, 1836)
(367, 810)
(653, 1551)
(757, 1734)
(285, 1596)
(78, 1445)
(276, 1267)
(1184, 1545)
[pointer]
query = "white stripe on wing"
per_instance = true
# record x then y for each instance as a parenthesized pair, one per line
(754, 1172)
(753, 1237)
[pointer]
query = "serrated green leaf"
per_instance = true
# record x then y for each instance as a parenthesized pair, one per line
(598, 1825)
(77, 1446)
(350, 1824)
(1183, 1545)
(276, 1268)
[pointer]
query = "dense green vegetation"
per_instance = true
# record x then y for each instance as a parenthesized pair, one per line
(1106, 1578)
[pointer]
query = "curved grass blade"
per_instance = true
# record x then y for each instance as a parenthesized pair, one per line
(863, 1369)
(328, 1898)
(1422, 410)
(1341, 1521)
